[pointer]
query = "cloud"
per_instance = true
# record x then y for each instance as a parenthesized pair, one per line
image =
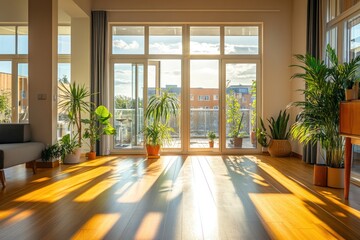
(241, 49)
(126, 46)
(204, 48)
(166, 48)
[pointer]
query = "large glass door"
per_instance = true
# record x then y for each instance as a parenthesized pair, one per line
(128, 105)
(240, 105)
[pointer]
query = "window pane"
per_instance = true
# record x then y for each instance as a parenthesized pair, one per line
(23, 95)
(205, 40)
(354, 38)
(333, 9)
(331, 38)
(241, 40)
(64, 40)
(204, 113)
(240, 105)
(7, 40)
(165, 40)
(23, 40)
(128, 105)
(127, 40)
(64, 75)
(5, 91)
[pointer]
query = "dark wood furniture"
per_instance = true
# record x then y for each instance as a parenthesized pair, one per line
(350, 128)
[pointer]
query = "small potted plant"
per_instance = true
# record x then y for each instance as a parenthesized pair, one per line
(51, 152)
(97, 125)
(279, 145)
(211, 136)
(69, 146)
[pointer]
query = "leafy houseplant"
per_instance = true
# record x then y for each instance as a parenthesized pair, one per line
(157, 115)
(97, 125)
(279, 135)
(211, 136)
(234, 119)
(68, 147)
(318, 120)
(51, 152)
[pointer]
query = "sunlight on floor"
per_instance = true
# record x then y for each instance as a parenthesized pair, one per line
(289, 223)
(149, 226)
(60, 189)
(97, 227)
(95, 191)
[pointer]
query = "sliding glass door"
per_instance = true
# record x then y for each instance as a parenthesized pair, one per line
(128, 105)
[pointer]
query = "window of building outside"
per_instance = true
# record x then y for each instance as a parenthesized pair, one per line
(167, 57)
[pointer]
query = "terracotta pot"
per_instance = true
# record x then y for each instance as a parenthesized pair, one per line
(320, 175)
(237, 142)
(253, 137)
(211, 144)
(349, 95)
(279, 148)
(91, 155)
(153, 151)
(335, 177)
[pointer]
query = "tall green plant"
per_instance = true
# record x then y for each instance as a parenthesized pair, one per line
(157, 115)
(318, 120)
(234, 116)
(74, 102)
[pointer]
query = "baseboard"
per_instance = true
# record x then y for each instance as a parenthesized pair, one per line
(296, 155)
(41, 164)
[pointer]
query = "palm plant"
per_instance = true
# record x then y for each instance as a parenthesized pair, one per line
(73, 103)
(318, 120)
(157, 115)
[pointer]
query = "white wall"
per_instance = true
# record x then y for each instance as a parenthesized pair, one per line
(299, 12)
(283, 25)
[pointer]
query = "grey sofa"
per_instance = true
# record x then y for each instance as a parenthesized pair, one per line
(16, 147)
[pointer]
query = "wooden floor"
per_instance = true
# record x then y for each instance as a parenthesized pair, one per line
(176, 197)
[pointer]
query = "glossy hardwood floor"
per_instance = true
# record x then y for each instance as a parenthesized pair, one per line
(176, 197)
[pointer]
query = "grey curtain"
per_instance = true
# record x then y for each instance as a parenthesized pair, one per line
(313, 47)
(98, 66)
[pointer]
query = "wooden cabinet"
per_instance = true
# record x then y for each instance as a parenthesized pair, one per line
(350, 128)
(350, 118)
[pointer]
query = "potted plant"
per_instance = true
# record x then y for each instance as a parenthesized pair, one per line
(97, 125)
(318, 120)
(51, 153)
(279, 144)
(211, 136)
(69, 149)
(234, 119)
(157, 115)
(74, 102)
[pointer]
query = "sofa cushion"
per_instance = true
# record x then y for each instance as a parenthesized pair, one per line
(15, 133)
(17, 153)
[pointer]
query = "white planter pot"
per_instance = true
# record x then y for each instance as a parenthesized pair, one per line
(335, 177)
(73, 158)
